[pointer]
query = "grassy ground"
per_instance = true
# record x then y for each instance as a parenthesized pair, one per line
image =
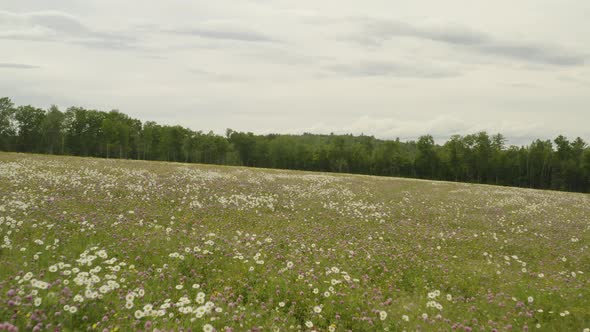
(91, 244)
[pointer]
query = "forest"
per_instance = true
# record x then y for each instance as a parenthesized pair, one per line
(559, 164)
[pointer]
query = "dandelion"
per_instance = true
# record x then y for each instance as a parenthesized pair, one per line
(138, 314)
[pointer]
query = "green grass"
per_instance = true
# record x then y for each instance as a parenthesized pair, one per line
(367, 244)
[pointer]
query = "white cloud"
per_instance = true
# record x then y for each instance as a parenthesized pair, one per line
(282, 66)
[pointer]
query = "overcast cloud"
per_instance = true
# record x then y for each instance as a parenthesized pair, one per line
(378, 67)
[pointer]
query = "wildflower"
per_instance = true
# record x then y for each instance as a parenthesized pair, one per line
(382, 315)
(530, 299)
(309, 324)
(207, 328)
(317, 309)
(405, 318)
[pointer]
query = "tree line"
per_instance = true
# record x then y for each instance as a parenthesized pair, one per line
(559, 164)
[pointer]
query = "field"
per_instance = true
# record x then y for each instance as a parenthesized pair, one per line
(110, 245)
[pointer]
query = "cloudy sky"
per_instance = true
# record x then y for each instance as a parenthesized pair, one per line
(380, 67)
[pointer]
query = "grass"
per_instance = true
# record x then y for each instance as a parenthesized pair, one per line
(93, 244)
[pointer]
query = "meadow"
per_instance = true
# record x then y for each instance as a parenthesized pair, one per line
(114, 245)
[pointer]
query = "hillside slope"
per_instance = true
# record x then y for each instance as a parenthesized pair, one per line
(120, 245)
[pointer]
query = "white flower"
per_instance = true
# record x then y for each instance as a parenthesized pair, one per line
(317, 309)
(37, 301)
(207, 328)
(138, 314)
(309, 324)
(530, 299)
(179, 287)
(281, 304)
(382, 315)
(406, 318)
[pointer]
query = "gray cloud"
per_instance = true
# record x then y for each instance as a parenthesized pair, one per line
(378, 31)
(225, 34)
(228, 30)
(393, 69)
(55, 26)
(17, 66)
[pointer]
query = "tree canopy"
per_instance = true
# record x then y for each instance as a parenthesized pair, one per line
(560, 164)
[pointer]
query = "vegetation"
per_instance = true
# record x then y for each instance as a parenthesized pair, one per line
(480, 158)
(120, 245)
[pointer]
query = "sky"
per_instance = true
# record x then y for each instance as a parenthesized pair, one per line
(385, 68)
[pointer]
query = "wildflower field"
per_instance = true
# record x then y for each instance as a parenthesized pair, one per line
(110, 245)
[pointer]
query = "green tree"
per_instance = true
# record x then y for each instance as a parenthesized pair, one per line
(7, 124)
